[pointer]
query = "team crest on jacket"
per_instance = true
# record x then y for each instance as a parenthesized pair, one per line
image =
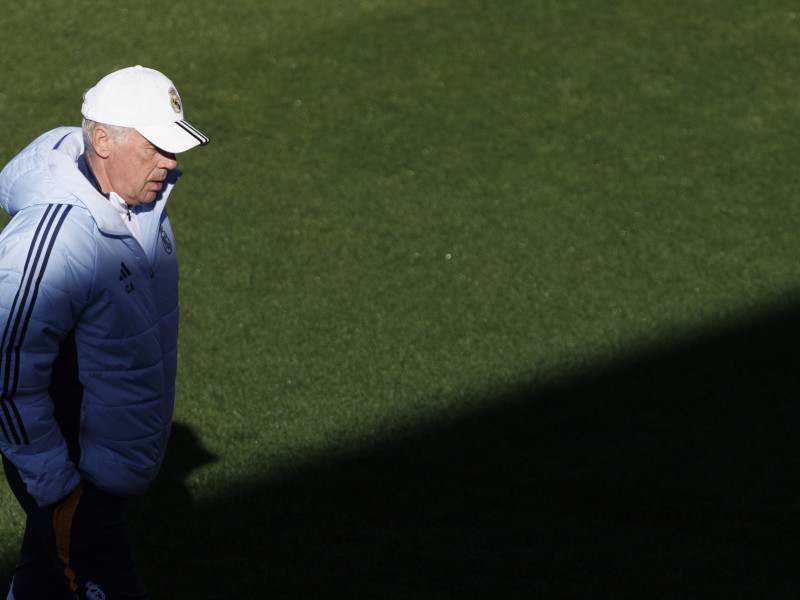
(175, 100)
(165, 241)
(93, 592)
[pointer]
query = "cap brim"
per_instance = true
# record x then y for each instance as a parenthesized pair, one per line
(175, 137)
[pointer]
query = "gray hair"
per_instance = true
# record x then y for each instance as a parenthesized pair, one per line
(120, 135)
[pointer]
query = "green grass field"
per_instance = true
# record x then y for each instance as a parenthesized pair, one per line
(488, 299)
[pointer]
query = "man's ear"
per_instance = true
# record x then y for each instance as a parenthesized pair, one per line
(101, 140)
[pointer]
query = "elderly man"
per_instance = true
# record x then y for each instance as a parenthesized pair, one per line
(89, 318)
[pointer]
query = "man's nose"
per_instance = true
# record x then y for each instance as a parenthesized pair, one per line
(168, 161)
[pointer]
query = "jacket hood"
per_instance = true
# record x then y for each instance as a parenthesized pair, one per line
(46, 172)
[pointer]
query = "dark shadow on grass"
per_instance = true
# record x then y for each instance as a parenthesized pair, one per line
(673, 475)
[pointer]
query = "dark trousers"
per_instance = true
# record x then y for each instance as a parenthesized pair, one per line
(78, 549)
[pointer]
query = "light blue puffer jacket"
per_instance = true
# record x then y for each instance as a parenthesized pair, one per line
(89, 322)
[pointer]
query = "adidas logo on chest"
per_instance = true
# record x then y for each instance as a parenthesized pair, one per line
(125, 276)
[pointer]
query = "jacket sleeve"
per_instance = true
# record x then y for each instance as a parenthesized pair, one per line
(45, 272)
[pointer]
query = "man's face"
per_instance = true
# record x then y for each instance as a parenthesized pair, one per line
(136, 169)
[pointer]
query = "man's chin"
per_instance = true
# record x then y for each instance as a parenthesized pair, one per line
(148, 198)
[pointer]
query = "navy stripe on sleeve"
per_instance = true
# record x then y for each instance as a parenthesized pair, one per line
(20, 315)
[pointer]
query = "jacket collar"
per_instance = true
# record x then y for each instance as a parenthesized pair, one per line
(85, 168)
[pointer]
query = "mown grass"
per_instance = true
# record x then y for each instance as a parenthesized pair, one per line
(406, 207)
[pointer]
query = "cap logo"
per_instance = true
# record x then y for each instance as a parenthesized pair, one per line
(175, 100)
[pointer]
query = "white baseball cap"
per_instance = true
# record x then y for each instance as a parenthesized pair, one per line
(146, 101)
